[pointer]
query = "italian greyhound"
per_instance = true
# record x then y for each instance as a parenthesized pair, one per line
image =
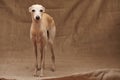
(42, 32)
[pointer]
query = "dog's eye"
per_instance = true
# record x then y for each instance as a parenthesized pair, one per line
(41, 10)
(33, 10)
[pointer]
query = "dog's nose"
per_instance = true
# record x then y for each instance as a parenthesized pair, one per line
(37, 17)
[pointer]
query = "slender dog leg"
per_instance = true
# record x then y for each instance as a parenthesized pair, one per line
(42, 50)
(44, 58)
(53, 56)
(36, 55)
(41, 60)
(50, 41)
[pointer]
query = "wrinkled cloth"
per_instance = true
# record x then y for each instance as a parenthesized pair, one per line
(87, 37)
(94, 75)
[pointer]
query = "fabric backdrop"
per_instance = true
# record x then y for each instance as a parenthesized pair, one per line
(87, 37)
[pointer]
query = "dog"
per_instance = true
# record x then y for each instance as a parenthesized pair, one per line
(42, 33)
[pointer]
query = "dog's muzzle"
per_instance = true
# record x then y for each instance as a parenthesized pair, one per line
(37, 17)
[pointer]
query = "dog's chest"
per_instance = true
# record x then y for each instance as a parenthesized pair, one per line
(37, 34)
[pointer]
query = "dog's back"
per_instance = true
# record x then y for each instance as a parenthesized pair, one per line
(48, 22)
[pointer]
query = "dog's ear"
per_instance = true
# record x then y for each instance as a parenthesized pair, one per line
(30, 8)
(43, 9)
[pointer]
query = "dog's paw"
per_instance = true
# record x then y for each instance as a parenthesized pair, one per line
(53, 69)
(41, 75)
(36, 75)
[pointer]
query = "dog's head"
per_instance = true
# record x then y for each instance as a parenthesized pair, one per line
(36, 11)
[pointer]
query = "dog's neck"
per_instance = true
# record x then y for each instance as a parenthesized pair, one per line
(38, 25)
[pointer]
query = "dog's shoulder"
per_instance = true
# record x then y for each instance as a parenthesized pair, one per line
(47, 16)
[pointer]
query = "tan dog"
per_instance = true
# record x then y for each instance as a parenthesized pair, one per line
(42, 32)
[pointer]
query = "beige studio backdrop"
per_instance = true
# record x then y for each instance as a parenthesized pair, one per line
(88, 36)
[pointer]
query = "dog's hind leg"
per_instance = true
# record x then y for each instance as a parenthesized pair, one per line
(53, 56)
(52, 32)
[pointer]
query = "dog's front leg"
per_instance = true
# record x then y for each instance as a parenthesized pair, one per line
(42, 63)
(36, 56)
